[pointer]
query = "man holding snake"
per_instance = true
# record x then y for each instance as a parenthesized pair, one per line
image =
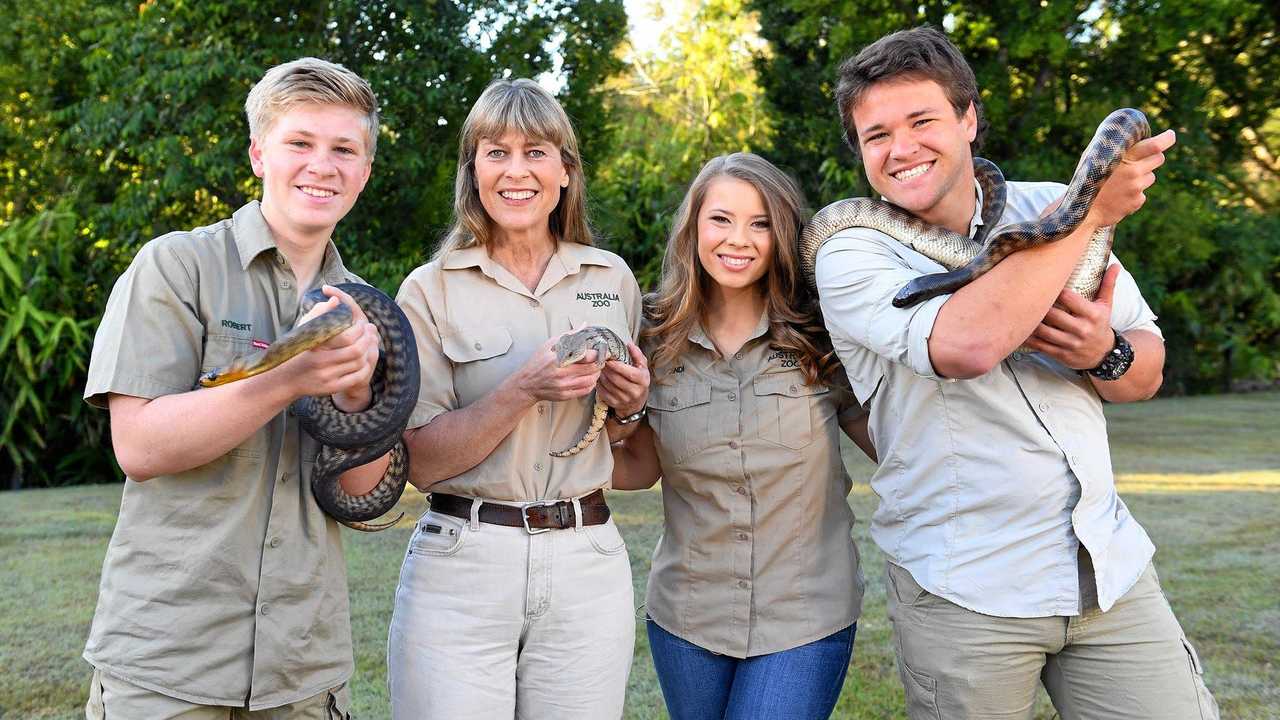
(224, 591)
(1011, 559)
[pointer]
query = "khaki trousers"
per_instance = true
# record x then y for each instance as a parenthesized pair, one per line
(1132, 661)
(493, 623)
(111, 698)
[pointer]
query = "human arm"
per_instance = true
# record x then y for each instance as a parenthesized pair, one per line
(457, 440)
(635, 460)
(854, 425)
(157, 436)
(625, 388)
(980, 324)
(1077, 332)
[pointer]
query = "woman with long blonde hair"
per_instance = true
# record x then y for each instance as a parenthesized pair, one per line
(755, 588)
(515, 594)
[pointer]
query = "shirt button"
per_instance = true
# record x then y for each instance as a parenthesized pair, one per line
(284, 478)
(285, 284)
(742, 490)
(533, 303)
(542, 409)
(792, 388)
(742, 536)
(275, 542)
(733, 396)
(675, 402)
(1044, 406)
(733, 444)
(737, 356)
(265, 609)
(741, 583)
(478, 346)
(1075, 459)
(537, 466)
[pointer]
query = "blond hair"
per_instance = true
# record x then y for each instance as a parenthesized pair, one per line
(315, 81)
(525, 107)
(795, 322)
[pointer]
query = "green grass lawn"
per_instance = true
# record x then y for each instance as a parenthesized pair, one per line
(1201, 474)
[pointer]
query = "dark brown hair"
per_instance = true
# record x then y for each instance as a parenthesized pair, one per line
(921, 53)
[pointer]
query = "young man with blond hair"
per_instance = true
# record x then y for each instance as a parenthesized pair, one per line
(224, 590)
(1011, 559)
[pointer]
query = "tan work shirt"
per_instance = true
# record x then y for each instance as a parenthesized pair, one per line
(756, 554)
(476, 323)
(224, 583)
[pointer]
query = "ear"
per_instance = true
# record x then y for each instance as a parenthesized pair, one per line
(564, 180)
(971, 122)
(255, 156)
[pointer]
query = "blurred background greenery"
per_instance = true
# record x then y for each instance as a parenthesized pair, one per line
(120, 121)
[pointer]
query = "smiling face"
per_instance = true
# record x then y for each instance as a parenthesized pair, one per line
(735, 236)
(916, 152)
(519, 180)
(313, 163)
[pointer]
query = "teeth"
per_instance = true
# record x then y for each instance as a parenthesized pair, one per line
(914, 172)
(317, 192)
(517, 194)
(735, 262)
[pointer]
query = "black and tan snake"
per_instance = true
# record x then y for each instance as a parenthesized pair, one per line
(967, 259)
(350, 439)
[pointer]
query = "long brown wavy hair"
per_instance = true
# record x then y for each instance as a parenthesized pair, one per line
(795, 322)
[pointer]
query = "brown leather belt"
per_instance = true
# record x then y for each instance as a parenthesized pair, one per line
(539, 516)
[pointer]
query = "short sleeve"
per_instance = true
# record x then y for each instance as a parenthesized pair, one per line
(150, 339)
(1129, 311)
(436, 394)
(858, 274)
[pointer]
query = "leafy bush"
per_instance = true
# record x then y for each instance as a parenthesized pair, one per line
(52, 286)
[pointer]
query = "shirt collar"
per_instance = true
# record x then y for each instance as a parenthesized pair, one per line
(567, 260)
(698, 334)
(253, 237)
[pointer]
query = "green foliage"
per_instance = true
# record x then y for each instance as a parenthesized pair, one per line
(679, 104)
(1204, 249)
(48, 312)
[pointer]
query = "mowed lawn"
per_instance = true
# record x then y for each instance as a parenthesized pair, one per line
(1201, 474)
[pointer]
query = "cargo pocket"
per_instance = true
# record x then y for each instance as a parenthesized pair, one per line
(1208, 706)
(338, 704)
(680, 416)
(785, 405)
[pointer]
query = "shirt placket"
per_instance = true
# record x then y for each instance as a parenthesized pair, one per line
(741, 528)
(267, 658)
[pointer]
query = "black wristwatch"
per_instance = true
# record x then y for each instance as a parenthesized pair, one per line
(1116, 362)
(627, 420)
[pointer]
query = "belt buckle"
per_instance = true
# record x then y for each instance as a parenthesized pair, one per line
(524, 515)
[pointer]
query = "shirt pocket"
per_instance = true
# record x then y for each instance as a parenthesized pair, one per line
(784, 405)
(474, 344)
(219, 352)
(680, 416)
(481, 360)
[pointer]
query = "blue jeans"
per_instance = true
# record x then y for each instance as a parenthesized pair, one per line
(802, 683)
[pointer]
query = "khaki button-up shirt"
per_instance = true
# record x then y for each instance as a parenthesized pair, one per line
(987, 486)
(224, 583)
(756, 554)
(476, 323)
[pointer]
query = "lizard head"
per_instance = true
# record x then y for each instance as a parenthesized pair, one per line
(573, 347)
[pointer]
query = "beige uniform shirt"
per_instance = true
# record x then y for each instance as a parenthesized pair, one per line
(224, 583)
(476, 323)
(756, 554)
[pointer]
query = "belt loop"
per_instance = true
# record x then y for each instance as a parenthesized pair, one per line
(577, 515)
(475, 514)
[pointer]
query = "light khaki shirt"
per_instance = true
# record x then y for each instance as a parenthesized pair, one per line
(476, 323)
(224, 583)
(987, 486)
(756, 554)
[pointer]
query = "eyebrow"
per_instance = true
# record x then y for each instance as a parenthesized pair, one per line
(730, 212)
(309, 134)
(910, 116)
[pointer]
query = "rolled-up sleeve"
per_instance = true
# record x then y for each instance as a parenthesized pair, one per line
(858, 274)
(1129, 311)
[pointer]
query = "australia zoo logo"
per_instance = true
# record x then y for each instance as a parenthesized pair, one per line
(785, 358)
(599, 299)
